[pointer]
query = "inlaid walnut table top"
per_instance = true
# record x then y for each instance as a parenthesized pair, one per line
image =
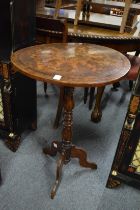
(77, 64)
(70, 65)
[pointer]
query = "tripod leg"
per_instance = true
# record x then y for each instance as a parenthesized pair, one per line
(82, 156)
(58, 175)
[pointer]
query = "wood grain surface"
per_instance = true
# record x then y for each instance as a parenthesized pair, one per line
(80, 65)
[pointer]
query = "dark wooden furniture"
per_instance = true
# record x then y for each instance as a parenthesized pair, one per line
(126, 164)
(17, 21)
(17, 106)
(17, 101)
(49, 30)
(74, 65)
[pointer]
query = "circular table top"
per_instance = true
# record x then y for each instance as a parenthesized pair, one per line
(71, 64)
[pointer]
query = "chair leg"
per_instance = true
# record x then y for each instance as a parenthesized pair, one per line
(85, 94)
(59, 108)
(130, 85)
(91, 98)
(97, 112)
(115, 86)
(45, 87)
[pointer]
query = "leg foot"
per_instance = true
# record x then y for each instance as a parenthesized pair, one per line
(112, 183)
(60, 164)
(96, 116)
(82, 156)
(13, 142)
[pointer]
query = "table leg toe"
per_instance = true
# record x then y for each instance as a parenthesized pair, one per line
(60, 164)
(82, 156)
(96, 116)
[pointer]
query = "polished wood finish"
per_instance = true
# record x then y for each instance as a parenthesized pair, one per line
(49, 27)
(65, 148)
(106, 37)
(78, 65)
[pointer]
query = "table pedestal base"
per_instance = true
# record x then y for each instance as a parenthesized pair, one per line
(64, 158)
(65, 147)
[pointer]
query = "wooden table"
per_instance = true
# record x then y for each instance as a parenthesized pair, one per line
(70, 65)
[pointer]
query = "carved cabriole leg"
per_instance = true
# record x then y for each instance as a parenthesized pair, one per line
(59, 108)
(97, 112)
(82, 156)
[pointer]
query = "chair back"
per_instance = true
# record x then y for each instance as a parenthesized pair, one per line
(54, 30)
